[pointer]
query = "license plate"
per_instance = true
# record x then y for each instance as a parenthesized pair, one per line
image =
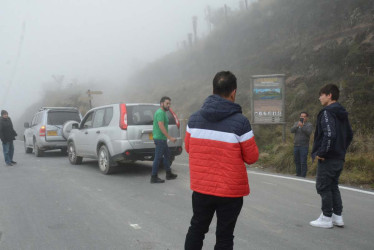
(51, 133)
(151, 136)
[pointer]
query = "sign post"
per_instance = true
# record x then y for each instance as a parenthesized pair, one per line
(267, 94)
(89, 93)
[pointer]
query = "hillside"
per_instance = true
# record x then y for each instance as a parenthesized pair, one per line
(312, 42)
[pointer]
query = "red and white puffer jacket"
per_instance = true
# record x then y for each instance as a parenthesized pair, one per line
(219, 139)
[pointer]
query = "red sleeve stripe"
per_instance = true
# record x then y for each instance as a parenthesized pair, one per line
(218, 135)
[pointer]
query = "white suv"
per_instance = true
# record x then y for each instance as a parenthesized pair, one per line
(119, 133)
(45, 131)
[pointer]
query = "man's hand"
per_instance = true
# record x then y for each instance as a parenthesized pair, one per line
(300, 124)
(320, 158)
(172, 139)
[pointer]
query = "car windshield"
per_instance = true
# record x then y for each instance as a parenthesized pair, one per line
(143, 115)
(59, 117)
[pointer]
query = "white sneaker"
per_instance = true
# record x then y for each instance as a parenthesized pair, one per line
(337, 220)
(322, 221)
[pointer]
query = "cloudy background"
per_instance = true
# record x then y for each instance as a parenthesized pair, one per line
(48, 42)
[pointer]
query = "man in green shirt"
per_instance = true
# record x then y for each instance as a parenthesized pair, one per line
(160, 137)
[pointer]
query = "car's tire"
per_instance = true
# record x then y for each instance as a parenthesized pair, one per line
(72, 153)
(27, 149)
(37, 151)
(104, 160)
(67, 127)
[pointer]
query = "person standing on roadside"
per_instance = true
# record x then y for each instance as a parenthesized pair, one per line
(332, 137)
(219, 140)
(160, 137)
(302, 130)
(7, 136)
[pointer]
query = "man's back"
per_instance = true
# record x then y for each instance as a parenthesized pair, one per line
(219, 140)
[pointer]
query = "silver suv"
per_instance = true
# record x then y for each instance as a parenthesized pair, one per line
(46, 129)
(119, 133)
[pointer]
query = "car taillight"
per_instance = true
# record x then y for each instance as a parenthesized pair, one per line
(175, 117)
(123, 117)
(42, 131)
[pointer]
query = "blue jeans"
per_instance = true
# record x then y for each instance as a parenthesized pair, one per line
(8, 150)
(300, 156)
(161, 153)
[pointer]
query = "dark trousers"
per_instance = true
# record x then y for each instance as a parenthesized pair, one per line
(300, 157)
(162, 153)
(328, 172)
(204, 206)
(8, 150)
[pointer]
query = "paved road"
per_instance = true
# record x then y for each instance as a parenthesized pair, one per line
(46, 203)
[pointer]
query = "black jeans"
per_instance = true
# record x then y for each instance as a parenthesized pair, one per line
(204, 206)
(328, 172)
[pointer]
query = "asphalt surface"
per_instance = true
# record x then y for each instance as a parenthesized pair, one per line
(46, 203)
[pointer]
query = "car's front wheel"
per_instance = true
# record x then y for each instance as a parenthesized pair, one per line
(104, 160)
(73, 158)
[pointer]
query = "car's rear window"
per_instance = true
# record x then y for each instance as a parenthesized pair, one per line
(143, 115)
(59, 117)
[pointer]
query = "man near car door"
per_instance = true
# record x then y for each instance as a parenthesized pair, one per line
(160, 137)
(219, 140)
(332, 137)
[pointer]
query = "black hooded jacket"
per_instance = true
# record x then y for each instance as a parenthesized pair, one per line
(7, 132)
(333, 133)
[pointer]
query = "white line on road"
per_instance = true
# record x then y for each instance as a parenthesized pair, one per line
(295, 179)
(308, 181)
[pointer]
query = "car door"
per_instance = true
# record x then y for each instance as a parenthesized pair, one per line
(140, 125)
(81, 137)
(93, 134)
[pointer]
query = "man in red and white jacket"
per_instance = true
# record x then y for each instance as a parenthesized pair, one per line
(219, 140)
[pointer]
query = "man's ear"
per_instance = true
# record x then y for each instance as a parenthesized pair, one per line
(233, 95)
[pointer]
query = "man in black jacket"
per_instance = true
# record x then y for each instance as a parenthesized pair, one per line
(7, 136)
(332, 137)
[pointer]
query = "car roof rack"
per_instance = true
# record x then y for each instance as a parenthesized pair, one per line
(62, 108)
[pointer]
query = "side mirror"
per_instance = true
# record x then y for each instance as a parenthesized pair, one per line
(26, 125)
(75, 126)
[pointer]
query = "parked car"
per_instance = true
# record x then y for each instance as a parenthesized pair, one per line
(46, 129)
(119, 133)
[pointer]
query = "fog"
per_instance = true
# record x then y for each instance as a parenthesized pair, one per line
(49, 43)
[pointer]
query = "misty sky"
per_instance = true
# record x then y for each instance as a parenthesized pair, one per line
(87, 40)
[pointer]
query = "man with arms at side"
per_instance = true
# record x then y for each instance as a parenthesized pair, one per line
(332, 137)
(7, 136)
(219, 140)
(302, 130)
(160, 137)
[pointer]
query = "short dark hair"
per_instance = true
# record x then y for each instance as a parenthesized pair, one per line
(164, 98)
(4, 112)
(224, 83)
(330, 89)
(307, 115)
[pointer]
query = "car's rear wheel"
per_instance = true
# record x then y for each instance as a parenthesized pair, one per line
(37, 151)
(73, 158)
(104, 160)
(27, 149)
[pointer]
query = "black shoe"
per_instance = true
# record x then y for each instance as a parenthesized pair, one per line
(9, 164)
(13, 162)
(170, 175)
(155, 179)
